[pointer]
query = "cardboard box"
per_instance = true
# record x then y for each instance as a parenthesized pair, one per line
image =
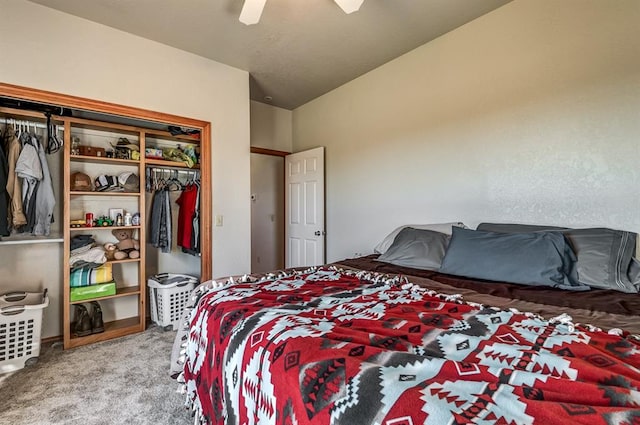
(93, 291)
(92, 151)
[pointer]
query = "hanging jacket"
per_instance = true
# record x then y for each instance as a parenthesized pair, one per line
(14, 184)
(29, 169)
(160, 222)
(4, 207)
(45, 198)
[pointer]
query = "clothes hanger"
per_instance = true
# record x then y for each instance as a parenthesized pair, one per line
(53, 143)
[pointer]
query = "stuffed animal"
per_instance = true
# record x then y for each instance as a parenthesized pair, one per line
(112, 253)
(126, 244)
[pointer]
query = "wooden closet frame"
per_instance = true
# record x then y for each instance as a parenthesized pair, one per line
(75, 102)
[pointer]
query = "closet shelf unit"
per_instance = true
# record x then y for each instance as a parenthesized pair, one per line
(130, 296)
(147, 129)
(105, 135)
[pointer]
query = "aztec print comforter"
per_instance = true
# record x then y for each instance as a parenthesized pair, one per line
(336, 347)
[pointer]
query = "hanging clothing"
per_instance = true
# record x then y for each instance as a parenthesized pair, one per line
(187, 203)
(4, 204)
(195, 234)
(29, 169)
(160, 227)
(14, 184)
(45, 198)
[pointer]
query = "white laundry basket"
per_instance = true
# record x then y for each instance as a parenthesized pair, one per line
(169, 294)
(20, 328)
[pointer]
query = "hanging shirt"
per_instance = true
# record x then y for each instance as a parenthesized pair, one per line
(29, 169)
(4, 207)
(160, 222)
(187, 203)
(14, 184)
(45, 198)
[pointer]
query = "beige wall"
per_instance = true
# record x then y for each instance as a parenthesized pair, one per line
(61, 53)
(529, 114)
(271, 128)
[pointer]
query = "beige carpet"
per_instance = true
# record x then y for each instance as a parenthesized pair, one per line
(123, 381)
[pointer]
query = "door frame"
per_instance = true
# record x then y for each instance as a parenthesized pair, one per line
(282, 154)
(76, 102)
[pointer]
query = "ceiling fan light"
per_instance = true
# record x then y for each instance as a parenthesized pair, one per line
(251, 11)
(349, 6)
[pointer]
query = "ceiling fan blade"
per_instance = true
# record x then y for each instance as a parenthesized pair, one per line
(349, 6)
(251, 11)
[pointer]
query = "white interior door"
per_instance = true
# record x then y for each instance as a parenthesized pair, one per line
(304, 208)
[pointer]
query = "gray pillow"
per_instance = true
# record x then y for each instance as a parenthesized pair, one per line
(417, 248)
(535, 258)
(604, 255)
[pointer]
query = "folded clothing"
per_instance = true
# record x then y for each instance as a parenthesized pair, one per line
(95, 255)
(87, 276)
(81, 240)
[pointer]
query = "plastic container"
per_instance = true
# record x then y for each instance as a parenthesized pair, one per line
(169, 294)
(20, 328)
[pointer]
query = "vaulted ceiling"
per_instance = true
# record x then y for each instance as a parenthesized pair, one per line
(300, 49)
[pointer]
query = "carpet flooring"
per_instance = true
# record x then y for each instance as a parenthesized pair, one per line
(123, 381)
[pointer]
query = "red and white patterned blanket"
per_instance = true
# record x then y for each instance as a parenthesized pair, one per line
(331, 347)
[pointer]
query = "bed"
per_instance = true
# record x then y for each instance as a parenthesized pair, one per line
(368, 341)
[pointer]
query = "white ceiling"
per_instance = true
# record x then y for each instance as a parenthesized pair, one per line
(300, 49)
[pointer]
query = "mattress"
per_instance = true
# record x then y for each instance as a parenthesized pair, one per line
(344, 345)
(606, 309)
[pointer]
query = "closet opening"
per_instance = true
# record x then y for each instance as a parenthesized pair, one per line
(267, 209)
(90, 136)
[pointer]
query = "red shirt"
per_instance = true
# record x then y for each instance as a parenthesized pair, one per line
(187, 202)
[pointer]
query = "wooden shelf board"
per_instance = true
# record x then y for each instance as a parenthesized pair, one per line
(166, 135)
(93, 193)
(112, 330)
(104, 126)
(80, 229)
(165, 163)
(125, 291)
(104, 159)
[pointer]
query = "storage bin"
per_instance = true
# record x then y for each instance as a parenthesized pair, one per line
(169, 294)
(20, 328)
(82, 293)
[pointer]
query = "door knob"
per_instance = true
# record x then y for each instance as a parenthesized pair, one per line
(317, 233)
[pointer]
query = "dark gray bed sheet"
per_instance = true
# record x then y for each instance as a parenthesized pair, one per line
(605, 309)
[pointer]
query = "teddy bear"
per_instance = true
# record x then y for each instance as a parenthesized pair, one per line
(127, 247)
(111, 251)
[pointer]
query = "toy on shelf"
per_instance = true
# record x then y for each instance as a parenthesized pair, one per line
(127, 246)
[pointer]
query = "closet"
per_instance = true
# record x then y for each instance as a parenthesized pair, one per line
(90, 146)
(28, 261)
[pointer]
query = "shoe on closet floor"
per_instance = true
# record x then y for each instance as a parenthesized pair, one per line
(82, 325)
(97, 325)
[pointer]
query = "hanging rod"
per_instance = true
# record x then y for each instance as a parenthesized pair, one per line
(34, 106)
(8, 121)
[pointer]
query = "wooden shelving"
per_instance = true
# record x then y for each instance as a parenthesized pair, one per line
(83, 228)
(92, 200)
(104, 160)
(106, 193)
(143, 119)
(165, 135)
(172, 164)
(113, 329)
